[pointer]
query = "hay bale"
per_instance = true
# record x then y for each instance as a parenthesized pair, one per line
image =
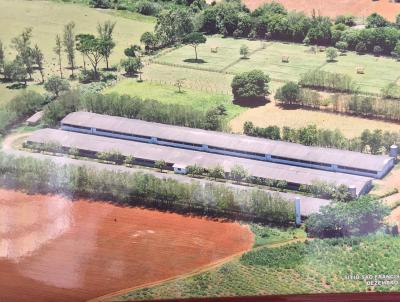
(360, 70)
(285, 59)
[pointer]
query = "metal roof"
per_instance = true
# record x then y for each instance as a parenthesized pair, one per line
(231, 141)
(173, 155)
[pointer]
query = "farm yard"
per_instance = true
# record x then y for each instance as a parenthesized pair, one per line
(133, 184)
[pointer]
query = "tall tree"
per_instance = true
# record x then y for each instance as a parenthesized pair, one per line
(2, 56)
(149, 40)
(69, 44)
(93, 49)
(57, 50)
(105, 31)
(22, 44)
(38, 58)
(81, 46)
(194, 39)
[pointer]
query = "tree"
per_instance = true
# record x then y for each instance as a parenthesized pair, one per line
(238, 173)
(194, 39)
(288, 93)
(81, 46)
(149, 40)
(16, 71)
(172, 25)
(129, 160)
(179, 84)
(105, 32)
(57, 50)
(216, 172)
(160, 164)
(56, 85)
(38, 58)
(69, 45)
(93, 48)
(361, 48)
(396, 51)
(131, 65)
(331, 54)
(375, 20)
(357, 218)
(250, 85)
(132, 51)
(377, 50)
(22, 44)
(2, 56)
(342, 46)
(244, 51)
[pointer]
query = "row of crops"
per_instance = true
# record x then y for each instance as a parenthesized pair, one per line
(311, 267)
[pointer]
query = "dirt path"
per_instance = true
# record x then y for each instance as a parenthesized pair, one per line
(211, 266)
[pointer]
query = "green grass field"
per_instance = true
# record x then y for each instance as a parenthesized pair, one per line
(313, 267)
(268, 57)
(169, 94)
(48, 19)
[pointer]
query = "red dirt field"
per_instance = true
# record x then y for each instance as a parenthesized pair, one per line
(333, 8)
(53, 249)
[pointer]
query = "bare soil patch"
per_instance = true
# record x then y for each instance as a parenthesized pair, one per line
(53, 249)
(359, 8)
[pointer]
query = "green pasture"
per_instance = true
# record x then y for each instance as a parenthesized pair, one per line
(267, 56)
(169, 94)
(320, 266)
(48, 19)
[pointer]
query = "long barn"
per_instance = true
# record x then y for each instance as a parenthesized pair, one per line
(240, 146)
(147, 154)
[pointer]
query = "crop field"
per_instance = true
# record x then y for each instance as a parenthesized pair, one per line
(273, 115)
(313, 267)
(55, 249)
(333, 8)
(169, 94)
(267, 56)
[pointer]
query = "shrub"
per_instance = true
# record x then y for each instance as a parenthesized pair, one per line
(147, 8)
(251, 85)
(359, 217)
(288, 93)
(361, 48)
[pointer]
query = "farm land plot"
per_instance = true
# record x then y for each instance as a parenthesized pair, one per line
(379, 71)
(269, 60)
(169, 94)
(319, 266)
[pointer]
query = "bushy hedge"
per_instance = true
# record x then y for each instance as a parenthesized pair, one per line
(359, 217)
(323, 80)
(375, 142)
(133, 107)
(21, 106)
(139, 189)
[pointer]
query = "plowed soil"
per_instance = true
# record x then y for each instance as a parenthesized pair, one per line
(53, 249)
(333, 8)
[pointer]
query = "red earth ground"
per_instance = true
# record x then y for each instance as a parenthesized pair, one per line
(53, 249)
(333, 8)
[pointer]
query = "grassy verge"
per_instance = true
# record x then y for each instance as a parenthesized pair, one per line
(312, 267)
(199, 100)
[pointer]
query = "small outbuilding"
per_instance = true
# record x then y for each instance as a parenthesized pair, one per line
(35, 119)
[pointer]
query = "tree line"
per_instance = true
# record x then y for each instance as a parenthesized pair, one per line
(134, 107)
(140, 189)
(374, 142)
